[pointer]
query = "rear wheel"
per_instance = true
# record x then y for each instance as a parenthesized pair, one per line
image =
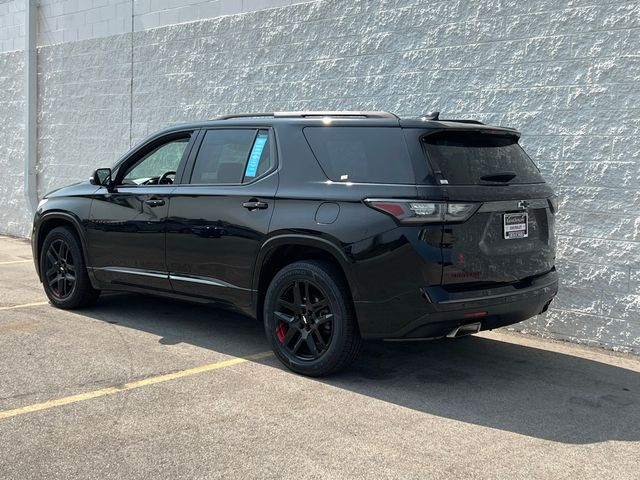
(63, 271)
(309, 319)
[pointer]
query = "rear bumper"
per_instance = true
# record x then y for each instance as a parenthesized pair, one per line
(434, 311)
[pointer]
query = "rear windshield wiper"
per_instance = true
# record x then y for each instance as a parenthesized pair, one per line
(499, 177)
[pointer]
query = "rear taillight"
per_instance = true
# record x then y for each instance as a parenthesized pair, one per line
(415, 211)
(553, 202)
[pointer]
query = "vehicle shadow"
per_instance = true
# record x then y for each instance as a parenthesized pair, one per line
(511, 387)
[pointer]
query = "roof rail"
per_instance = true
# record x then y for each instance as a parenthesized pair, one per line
(311, 114)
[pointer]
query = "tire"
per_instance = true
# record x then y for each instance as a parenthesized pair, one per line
(63, 271)
(323, 312)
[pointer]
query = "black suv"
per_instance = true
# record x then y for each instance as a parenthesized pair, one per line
(329, 227)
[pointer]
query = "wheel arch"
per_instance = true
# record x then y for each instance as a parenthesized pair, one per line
(282, 250)
(52, 220)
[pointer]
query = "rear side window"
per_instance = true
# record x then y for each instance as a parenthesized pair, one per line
(472, 158)
(361, 154)
(232, 156)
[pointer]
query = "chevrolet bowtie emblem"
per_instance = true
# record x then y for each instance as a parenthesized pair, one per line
(523, 204)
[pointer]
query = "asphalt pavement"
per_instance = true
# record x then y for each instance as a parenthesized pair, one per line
(143, 387)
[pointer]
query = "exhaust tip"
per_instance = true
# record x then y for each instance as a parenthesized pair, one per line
(545, 308)
(464, 330)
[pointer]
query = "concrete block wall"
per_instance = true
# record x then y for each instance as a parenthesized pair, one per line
(564, 72)
(14, 214)
(84, 108)
(71, 20)
(12, 30)
(153, 13)
(62, 21)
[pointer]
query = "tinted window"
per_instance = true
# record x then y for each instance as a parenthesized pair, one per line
(466, 158)
(361, 154)
(222, 156)
(164, 160)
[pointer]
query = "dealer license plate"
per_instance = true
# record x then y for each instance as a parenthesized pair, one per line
(516, 225)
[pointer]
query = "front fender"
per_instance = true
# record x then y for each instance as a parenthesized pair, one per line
(43, 224)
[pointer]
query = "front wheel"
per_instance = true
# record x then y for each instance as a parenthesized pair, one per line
(309, 319)
(63, 271)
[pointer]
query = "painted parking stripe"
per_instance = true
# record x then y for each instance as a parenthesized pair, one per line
(16, 261)
(81, 397)
(18, 326)
(24, 305)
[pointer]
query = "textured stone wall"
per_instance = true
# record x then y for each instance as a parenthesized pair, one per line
(84, 108)
(14, 216)
(566, 73)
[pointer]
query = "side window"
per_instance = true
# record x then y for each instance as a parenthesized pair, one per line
(362, 154)
(158, 166)
(231, 156)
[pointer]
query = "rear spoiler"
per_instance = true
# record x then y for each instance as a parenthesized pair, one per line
(441, 124)
(485, 129)
(432, 121)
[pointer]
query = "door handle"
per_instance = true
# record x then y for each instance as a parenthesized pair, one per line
(255, 204)
(154, 202)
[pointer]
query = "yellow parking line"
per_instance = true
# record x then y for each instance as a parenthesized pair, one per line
(36, 407)
(17, 326)
(24, 305)
(16, 261)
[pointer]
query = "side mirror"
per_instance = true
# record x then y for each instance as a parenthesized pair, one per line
(102, 176)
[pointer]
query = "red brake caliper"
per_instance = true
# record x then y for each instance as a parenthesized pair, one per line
(281, 331)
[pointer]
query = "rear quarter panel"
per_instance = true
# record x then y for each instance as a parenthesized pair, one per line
(384, 263)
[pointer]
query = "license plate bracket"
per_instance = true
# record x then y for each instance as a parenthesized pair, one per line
(515, 225)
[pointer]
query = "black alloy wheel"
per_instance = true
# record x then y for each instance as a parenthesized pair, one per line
(63, 271)
(304, 319)
(309, 318)
(60, 273)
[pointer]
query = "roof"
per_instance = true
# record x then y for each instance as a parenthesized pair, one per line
(338, 118)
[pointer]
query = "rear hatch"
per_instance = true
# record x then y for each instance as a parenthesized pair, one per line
(509, 235)
(467, 198)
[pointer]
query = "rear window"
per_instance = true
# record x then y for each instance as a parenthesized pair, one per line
(361, 154)
(471, 158)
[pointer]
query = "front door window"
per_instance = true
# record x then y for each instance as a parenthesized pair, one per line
(158, 166)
